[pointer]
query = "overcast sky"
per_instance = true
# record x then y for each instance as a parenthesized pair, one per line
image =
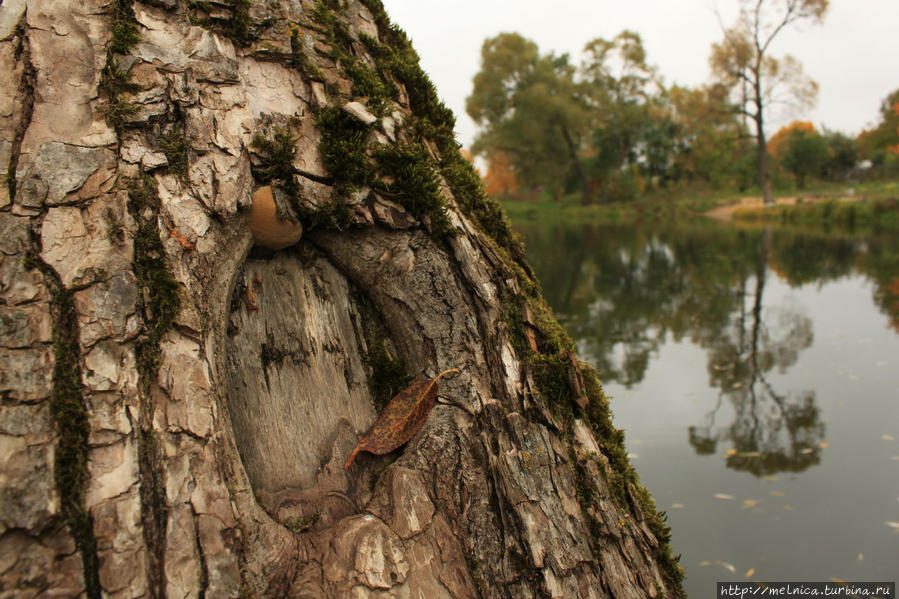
(853, 55)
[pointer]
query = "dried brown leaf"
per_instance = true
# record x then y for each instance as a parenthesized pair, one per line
(401, 418)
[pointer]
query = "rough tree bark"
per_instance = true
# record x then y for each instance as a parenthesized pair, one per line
(178, 401)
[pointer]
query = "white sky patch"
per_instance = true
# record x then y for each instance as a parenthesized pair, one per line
(854, 55)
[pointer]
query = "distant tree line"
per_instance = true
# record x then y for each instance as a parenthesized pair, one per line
(609, 129)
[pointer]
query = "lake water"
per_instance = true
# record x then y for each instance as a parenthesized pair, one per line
(756, 375)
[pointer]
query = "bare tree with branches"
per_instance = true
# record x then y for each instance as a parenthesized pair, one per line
(758, 80)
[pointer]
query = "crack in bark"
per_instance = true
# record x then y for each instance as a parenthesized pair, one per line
(26, 93)
(204, 567)
(154, 508)
(70, 414)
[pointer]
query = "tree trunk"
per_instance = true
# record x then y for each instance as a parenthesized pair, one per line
(586, 192)
(762, 142)
(181, 385)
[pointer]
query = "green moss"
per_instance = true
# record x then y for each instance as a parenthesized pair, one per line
(550, 374)
(388, 30)
(114, 84)
(159, 300)
(175, 144)
(468, 190)
(343, 146)
(239, 26)
(672, 572)
(367, 83)
(10, 179)
(69, 413)
(398, 59)
(300, 60)
(413, 183)
(333, 216)
(301, 524)
(599, 415)
(276, 154)
(125, 34)
(513, 319)
(387, 374)
(552, 336)
(117, 112)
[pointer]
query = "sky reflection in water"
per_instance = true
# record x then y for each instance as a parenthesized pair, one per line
(756, 374)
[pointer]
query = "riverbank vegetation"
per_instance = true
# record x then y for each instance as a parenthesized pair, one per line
(605, 137)
(872, 204)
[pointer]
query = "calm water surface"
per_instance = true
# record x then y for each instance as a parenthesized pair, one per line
(756, 374)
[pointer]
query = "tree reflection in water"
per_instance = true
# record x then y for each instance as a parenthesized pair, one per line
(771, 432)
(621, 291)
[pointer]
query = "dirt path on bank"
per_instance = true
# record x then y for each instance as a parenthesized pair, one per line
(726, 213)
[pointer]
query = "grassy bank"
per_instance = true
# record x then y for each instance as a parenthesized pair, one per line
(870, 203)
(875, 206)
(877, 214)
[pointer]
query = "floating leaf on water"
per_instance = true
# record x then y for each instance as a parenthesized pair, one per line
(633, 456)
(723, 496)
(893, 524)
(888, 437)
(777, 493)
(750, 454)
(772, 477)
(736, 385)
(861, 557)
(789, 508)
(807, 451)
(750, 572)
(730, 452)
(748, 503)
(728, 566)
(401, 418)
(705, 564)
(823, 444)
(677, 506)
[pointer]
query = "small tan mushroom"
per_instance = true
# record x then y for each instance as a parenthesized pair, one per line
(268, 230)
